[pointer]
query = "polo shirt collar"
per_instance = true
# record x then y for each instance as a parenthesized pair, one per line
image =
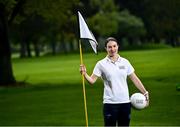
(109, 60)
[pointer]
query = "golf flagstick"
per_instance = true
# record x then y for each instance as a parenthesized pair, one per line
(85, 33)
(83, 83)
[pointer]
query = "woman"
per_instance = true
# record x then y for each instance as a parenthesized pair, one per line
(114, 69)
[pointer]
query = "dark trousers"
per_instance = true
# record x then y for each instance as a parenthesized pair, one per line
(117, 114)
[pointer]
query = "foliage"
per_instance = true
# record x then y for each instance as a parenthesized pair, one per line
(166, 17)
(53, 11)
(101, 23)
(161, 18)
(130, 26)
(48, 20)
(9, 4)
(109, 21)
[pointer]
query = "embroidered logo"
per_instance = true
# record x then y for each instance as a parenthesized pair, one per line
(121, 67)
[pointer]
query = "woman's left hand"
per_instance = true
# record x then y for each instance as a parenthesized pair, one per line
(146, 94)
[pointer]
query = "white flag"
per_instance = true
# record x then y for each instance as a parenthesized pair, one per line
(85, 33)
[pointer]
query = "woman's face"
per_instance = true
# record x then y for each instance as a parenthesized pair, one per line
(112, 48)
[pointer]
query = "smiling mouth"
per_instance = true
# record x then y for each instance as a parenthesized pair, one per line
(113, 52)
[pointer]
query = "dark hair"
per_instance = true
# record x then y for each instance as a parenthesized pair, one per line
(110, 39)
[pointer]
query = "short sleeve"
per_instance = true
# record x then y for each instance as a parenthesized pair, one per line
(130, 68)
(97, 70)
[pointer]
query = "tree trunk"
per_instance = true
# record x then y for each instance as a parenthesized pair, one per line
(22, 49)
(28, 49)
(53, 45)
(6, 73)
(36, 49)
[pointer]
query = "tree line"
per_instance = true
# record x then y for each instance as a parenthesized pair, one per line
(51, 25)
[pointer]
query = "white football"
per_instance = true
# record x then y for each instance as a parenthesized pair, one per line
(138, 101)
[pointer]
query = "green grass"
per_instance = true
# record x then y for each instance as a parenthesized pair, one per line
(54, 95)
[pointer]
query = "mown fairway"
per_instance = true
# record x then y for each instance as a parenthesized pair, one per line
(54, 94)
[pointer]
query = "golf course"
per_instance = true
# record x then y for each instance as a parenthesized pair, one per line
(53, 94)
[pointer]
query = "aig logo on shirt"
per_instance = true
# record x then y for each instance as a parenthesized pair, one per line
(121, 67)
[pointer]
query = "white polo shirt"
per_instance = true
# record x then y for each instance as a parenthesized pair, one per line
(114, 75)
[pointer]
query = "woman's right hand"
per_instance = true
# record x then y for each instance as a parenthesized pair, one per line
(82, 69)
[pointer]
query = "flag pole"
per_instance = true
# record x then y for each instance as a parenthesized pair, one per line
(83, 83)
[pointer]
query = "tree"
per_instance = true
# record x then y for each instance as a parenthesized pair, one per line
(165, 19)
(105, 21)
(110, 20)
(7, 15)
(131, 27)
(56, 11)
(161, 18)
